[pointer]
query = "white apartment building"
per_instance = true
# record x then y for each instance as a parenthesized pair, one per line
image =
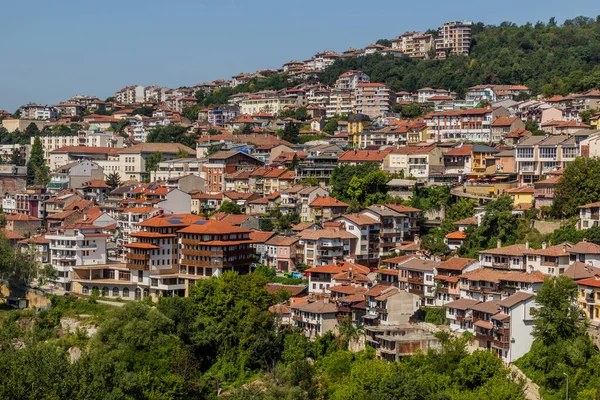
(464, 125)
(321, 247)
(271, 104)
(37, 111)
(78, 244)
(454, 39)
(341, 102)
(84, 138)
(130, 95)
(538, 155)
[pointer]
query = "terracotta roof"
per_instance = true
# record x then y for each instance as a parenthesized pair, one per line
(341, 266)
(10, 235)
(402, 209)
(212, 227)
(400, 259)
(327, 201)
(152, 235)
(590, 205)
(579, 270)
(593, 282)
(504, 121)
(585, 248)
(459, 235)
(376, 290)
(387, 294)
(302, 226)
(317, 307)
(142, 246)
(84, 149)
(61, 215)
(359, 219)
(347, 289)
(447, 278)
(386, 271)
(484, 324)
(520, 189)
(39, 239)
(294, 290)
(351, 276)
(463, 150)
(515, 250)
(171, 221)
(456, 263)
(282, 241)
(551, 181)
(235, 219)
(261, 237)
(417, 264)
(20, 217)
(496, 276)
(515, 299)
(364, 155)
(467, 221)
(552, 251)
(79, 204)
(171, 148)
(462, 304)
(488, 307)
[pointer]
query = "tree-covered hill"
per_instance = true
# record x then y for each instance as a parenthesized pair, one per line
(547, 57)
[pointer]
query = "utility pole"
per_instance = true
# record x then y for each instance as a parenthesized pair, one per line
(567, 375)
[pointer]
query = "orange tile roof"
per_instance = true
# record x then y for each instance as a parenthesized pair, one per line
(504, 121)
(585, 248)
(316, 234)
(464, 150)
(467, 221)
(235, 219)
(327, 201)
(516, 250)
(10, 235)
(20, 217)
(171, 221)
(552, 251)
(459, 235)
(141, 246)
(398, 260)
(212, 227)
(152, 235)
(456, 263)
(261, 237)
(496, 276)
(401, 209)
(360, 219)
(520, 189)
(347, 289)
(376, 290)
(593, 282)
(364, 155)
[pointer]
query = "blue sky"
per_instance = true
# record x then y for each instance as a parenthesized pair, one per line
(55, 49)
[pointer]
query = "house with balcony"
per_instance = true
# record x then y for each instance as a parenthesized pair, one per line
(485, 284)
(129, 218)
(447, 278)
(483, 327)
(553, 260)
(464, 125)
(463, 224)
(455, 239)
(419, 278)
(323, 246)
(75, 245)
(216, 246)
(589, 298)
(536, 156)
(392, 342)
(392, 224)
(392, 306)
(315, 318)
(303, 198)
(503, 126)
(589, 216)
(281, 253)
(326, 208)
(522, 195)
(505, 258)
(585, 252)
(459, 314)
(543, 192)
(367, 232)
(513, 326)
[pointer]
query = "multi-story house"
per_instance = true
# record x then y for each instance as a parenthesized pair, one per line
(454, 39)
(506, 258)
(448, 276)
(227, 162)
(356, 157)
(367, 231)
(483, 326)
(589, 298)
(543, 192)
(485, 284)
(512, 327)
(281, 253)
(132, 160)
(392, 227)
(419, 275)
(494, 93)
(553, 260)
(315, 318)
(215, 246)
(75, 245)
(304, 198)
(410, 223)
(466, 159)
(351, 80)
(459, 314)
(37, 111)
(537, 156)
(373, 99)
(419, 162)
(589, 216)
(585, 252)
(130, 95)
(464, 125)
(503, 126)
(267, 102)
(128, 221)
(424, 94)
(323, 277)
(326, 208)
(323, 246)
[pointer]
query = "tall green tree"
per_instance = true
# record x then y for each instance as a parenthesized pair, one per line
(113, 180)
(230, 207)
(38, 172)
(578, 186)
(152, 163)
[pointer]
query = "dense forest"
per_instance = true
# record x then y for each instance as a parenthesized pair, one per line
(549, 58)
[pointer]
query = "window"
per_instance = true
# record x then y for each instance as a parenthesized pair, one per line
(115, 292)
(85, 290)
(104, 291)
(125, 293)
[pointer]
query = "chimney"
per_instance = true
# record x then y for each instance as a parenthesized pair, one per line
(544, 245)
(527, 244)
(498, 243)
(564, 248)
(334, 260)
(417, 239)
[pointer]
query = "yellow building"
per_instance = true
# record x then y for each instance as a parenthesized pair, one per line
(594, 121)
(589, 298)
(521, 195)
(356, 124)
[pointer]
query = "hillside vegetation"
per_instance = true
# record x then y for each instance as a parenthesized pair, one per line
(549, 58)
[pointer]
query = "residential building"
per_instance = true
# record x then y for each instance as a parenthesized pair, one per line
(521, 195)
(589, 298)
(315, 318)
(37, 111)
(585, 252)
(326, 208)
(504, 125)
(323, 246)
(75, 245)
(473, 125)
(552, 260)
(393, 342)
(543, 192)
(589, 216)
(281, 253)
(485, 284)
(373, 99)
(513, 327)
(321, 277)
(227, 162)
(536, 156)
(367, 231)
(454, 39)
(459, 314)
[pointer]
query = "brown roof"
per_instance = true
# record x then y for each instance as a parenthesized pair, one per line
(504, 121)
(484, 324)
(364, 155)
(416, 264)
(496, 276)
(585, 248)
(399, 259)
(552, 251)
(302, 226)
(515, 299)
(489, 307)
(351, 276)
(402, 209)
(10, 235)
(20, 217)
(520, 189)
(327, 201)
(317, 307)
(376, 290)
(462, 304)
(347, 289)
(171, 148)
(212, 227)
(590, 205)
(261, 237)
(456, 263)
(467, 221)
(282, 241)
(579, 270)
(360, 219)
(316, 234)
(464, 150)
(515, 250)
(294, 290)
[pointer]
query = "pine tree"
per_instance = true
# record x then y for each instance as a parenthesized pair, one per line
(37, 170)
(113, 180)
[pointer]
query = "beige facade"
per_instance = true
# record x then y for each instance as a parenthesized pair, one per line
(12, 125)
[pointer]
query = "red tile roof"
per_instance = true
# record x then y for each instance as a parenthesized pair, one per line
(364, 155)
(593, 282)
(327, 201)
(212, 227)
(456, 263)
(456, 235)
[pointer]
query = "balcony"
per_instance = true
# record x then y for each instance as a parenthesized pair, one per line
(417, 281)
(501, 344)
(201, 253)
(330, 247)
(137, 257)
(416, 291)
(297, 318)
(137, 266)
(483, 336)
(388, 245)
(381, 310)
(549, 263)
(503, 265)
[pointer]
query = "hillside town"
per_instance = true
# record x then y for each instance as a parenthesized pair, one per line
(146, 193)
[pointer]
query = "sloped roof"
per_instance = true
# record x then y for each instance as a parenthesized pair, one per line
(579, 270)
(456, 263)
(327, 201)
(515, 299)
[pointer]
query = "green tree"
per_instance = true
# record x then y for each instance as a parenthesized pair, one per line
(558, 316)
(17, 158)
(152, 163)
(181, 153)
(578, 186)
(113, 180)
(37, 169)
(290, 133)
(230, 207)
